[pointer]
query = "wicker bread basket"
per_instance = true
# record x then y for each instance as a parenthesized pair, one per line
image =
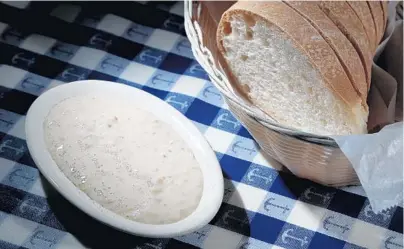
(305, 155)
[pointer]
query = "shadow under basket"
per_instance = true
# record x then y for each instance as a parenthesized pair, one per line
(315, 158)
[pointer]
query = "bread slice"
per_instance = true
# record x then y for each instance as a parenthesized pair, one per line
(377, 14)
(342, 47)
(287, 69)
(350, 25)
(384, 5)
(361, 9)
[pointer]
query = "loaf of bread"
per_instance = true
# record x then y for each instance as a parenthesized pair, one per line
(303, 63)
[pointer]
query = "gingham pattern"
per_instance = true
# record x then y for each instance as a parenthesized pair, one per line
(144, 45)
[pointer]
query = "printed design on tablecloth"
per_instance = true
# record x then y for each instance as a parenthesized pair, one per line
(243, 148)
(112, 65)
(162, 80)
(23, 59)
(196, 70)
(12, 148)
(196, 238)
(174, 23)
(44, 237)
(12, 36)
(62, 51)
(234, 219)
(277, 206)
(294, 237)
(73, 73)
(393, 242)
(381, 219)
(21, 177)
(183, 48)
(138, 33)
(211, 95)
(260, 176)
(100, 41)
(226, 121)
(7, 120)
(151, 57)
(317, 195)
(33, 84)
(180, 102)
(336, 225)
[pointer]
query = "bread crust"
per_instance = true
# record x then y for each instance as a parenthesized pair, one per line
(362, 10)
(384, 5)
(349, 24)
(296, 28)
(377, 14)
(346, 53)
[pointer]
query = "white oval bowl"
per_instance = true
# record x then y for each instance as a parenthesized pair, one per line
(212, 194)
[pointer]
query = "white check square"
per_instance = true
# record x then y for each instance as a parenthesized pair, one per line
(88, 58)
(18, 130)
(54, 83)
(6, 167)
(14, 76)
(247, 197)
(137, 73)
(163, 40)
(265, 160)
(306, 215)
(219, 140)
(366, 235)
(188, 85)
(38, 44)
(178, 8)
(113, 24)
(12, 224)
(38, 188)
(222, 238)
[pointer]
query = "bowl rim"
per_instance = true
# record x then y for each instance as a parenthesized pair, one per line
(213, 185)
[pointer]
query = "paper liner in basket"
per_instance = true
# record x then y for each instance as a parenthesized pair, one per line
(377, 158)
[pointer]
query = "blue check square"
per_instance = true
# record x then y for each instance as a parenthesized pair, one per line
(234, 168)
(319, 240)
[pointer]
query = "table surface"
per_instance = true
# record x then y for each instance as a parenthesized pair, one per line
(144, 45)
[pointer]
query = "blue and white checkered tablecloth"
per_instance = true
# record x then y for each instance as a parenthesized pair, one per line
(144, 45)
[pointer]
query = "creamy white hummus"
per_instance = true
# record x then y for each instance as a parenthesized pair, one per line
(124, 158)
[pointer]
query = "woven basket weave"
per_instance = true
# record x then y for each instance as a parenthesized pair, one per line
(305, 155)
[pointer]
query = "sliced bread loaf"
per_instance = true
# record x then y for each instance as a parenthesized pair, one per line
(347, 21)
(361, 9)
(342, 47)
(283, 65)
(377, 14)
